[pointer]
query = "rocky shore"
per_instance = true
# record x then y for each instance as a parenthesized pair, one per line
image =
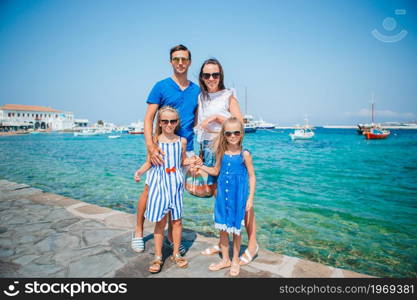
(48, 235)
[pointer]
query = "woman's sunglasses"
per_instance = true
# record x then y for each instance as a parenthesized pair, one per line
(172, 122)
(208, 75)
(178, 59)
(229, 133)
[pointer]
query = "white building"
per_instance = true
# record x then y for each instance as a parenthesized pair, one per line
(81, 123)
(15, 117)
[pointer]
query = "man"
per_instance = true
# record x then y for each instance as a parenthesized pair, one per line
(179, 92)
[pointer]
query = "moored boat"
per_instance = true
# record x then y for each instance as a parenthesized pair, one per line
(362, 128)
(261, 124)
(136, 128)
(376, 134)
(249, 124)
(87, 132)
(304, 133)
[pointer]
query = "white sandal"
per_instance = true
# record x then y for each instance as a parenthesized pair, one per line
(211, 250)
(244, 261)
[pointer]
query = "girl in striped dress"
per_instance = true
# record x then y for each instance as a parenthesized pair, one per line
(166, 186)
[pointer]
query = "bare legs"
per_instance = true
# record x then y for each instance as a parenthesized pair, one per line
(158, 235)
(226, 262)
(141, 212)
(250, 224)
(159, 240)
(176, 233)
(176, 236)
(224, 247)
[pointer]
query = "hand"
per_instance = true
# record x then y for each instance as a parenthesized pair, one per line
(208, 120)
(249, 205)
(197, 161)
(205, 123)
(137, 176)
(155, 155)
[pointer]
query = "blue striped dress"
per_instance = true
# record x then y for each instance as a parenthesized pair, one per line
(166, 187)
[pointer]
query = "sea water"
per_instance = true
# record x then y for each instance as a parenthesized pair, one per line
(337, 199)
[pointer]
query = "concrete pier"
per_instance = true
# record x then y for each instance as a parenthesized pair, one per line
(47, 235)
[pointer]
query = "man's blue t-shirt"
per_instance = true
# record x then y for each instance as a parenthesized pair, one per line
(167, 92)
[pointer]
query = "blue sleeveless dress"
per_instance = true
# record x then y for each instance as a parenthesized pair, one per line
(232, 194)
(166, 184)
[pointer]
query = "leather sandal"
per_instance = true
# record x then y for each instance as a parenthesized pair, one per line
(219, 266)
(181, 262)
(156, 265)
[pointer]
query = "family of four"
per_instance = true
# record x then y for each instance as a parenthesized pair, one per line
(180, 106)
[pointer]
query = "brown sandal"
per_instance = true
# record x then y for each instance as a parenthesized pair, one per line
(218, 266)
(156, 265)
(181, 262)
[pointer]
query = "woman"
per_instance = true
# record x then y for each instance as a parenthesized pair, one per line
(215, 105)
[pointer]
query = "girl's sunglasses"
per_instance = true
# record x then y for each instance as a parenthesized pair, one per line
(208, 75)
(229, 133)
(172, 122)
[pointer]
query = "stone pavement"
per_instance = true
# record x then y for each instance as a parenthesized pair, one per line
(47, 235)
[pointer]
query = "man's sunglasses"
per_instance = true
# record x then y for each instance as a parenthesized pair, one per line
(178, 59)
(208, 75)
(172, 122)
(229, 133)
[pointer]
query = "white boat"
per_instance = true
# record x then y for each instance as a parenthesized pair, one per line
(87, 132)
(261, 124)
(302, 133)
(136, 128)
(249, 124)
(113, 136)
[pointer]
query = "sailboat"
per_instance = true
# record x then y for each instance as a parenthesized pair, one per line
(377, 133)
(373, 131)
(248, 121)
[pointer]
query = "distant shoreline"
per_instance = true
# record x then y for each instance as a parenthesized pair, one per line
(13, 133)
(355, 127)
(10, 133)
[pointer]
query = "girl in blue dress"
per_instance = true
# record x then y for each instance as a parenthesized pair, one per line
(235, 190)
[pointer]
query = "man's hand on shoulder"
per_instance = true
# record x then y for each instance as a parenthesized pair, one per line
(156, 155)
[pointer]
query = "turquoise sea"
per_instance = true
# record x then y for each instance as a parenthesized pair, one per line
(337, 199)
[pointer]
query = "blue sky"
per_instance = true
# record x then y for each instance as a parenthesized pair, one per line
(99, 59)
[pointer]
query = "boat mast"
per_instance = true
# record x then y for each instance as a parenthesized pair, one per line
(373, 108)
(246, 101)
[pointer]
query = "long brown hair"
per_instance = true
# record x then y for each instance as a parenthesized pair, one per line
(158, 128)
(203, 87)
(220, 143)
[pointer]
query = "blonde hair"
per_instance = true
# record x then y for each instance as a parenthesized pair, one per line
(158, 128)
(220, 143)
